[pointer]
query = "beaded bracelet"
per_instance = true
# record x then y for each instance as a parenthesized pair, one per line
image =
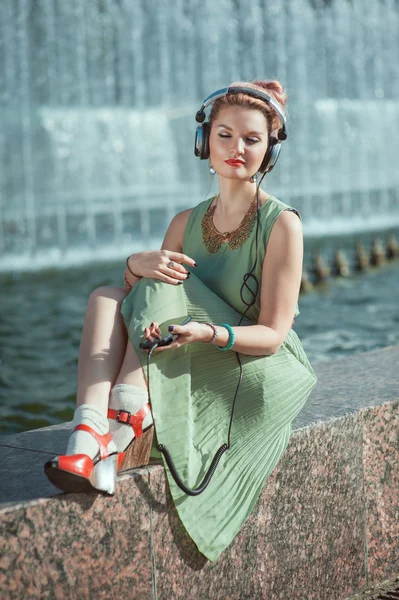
(128, 286)
(232, 336)
(130, 271)
(215, 333)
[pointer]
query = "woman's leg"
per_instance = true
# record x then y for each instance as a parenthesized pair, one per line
(101, 354)
(131, 372)
(105, 355)
(129, 394)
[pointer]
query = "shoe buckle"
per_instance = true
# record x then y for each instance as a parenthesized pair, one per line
(122, 418)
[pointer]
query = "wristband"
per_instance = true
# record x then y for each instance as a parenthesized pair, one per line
(232, 336)
(128, 286)
(215, 333)
(129, 269)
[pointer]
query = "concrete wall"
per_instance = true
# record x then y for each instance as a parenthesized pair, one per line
(326, 524)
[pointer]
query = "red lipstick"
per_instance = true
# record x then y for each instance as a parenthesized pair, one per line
(234, 162)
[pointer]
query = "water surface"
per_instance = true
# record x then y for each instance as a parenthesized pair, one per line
(42, 316)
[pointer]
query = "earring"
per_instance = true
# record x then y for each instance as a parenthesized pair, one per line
(211, 170)
(253, 178)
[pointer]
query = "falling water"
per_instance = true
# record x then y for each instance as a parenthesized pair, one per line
(98, 99)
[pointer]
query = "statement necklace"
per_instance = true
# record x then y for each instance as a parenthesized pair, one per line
(213, 239)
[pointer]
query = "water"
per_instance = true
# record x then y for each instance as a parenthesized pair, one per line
(98, 99)
(42, 316)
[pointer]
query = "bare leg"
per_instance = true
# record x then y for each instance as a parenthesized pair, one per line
(131, 371)
(131, 393)
(103, 349)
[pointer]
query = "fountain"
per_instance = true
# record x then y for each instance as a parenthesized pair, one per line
(98, 100)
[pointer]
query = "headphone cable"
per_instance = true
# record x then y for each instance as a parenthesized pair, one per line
(224, 447)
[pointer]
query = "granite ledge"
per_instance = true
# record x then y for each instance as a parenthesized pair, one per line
(332, 503)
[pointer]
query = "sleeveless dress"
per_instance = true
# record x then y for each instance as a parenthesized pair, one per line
(192, 388)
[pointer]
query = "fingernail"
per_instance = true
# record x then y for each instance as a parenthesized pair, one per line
(171, 328)
(152, 324)
(195, 265)
(188, 274)
(180, 282)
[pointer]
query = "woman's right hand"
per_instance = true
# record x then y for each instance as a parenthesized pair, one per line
(155, 265)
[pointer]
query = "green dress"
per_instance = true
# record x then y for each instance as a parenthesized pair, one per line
(192, 388)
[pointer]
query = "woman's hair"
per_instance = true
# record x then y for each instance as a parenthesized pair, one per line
(270, 87)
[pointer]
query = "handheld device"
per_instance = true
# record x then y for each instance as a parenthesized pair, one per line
(165, 341)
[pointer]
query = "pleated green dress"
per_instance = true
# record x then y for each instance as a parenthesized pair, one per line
(192, 388)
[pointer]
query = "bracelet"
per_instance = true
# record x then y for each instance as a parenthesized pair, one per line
(129, 269)
(215, 332)
(128, 286)
(232, 336)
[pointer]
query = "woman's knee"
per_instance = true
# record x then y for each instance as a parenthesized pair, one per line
(116, 294)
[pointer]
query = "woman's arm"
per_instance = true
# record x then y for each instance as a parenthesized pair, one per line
(154, 262)
(281, 280)
(173, 239)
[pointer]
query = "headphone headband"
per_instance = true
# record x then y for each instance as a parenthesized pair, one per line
(200, 116)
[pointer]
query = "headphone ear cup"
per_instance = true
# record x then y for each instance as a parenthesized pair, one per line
(265, 161)
(198, 141)
(206, 128)
(271, 156)
(201, 144)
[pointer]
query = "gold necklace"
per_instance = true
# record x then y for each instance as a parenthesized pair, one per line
(213, 239)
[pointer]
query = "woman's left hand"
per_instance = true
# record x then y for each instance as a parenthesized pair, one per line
(187, 334)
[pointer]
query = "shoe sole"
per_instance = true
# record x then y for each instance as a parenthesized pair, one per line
(137, 454)
(102, 479)
(69, 482)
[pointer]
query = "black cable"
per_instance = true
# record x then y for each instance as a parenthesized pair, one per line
(246, 277)
(162, 448)
(215, 461)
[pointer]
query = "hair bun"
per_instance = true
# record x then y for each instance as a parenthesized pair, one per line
(275, 89)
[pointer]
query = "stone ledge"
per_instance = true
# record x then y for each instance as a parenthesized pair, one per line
(325, 527)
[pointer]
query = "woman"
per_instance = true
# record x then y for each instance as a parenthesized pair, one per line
(241, 300)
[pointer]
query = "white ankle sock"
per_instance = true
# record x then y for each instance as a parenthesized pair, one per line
(131, 398)
(82, 442)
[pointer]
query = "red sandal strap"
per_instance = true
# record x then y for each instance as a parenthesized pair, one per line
(80, 464)
(135, 421)
(103, 440)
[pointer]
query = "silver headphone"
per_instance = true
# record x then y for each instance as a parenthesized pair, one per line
(201, 145)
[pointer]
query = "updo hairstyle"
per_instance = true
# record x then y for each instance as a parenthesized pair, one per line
(271, 87)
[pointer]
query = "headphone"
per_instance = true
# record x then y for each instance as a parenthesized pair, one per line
(201, 145)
